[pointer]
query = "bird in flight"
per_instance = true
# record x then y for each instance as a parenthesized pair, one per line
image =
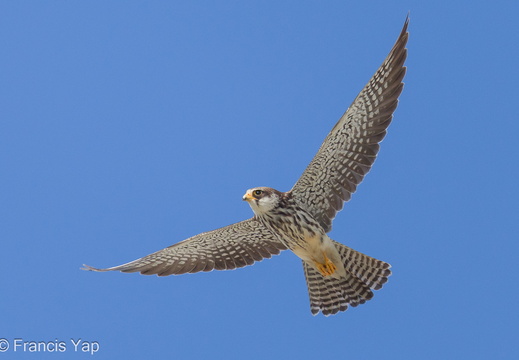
(299, 219)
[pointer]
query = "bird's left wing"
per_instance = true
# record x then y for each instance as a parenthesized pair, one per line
(349, 150)
(230, 247)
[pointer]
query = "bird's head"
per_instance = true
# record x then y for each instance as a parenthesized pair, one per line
(262, 199)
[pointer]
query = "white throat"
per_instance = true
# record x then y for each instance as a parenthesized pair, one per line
(264, 205)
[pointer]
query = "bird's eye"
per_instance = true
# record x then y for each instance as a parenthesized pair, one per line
(257, 192)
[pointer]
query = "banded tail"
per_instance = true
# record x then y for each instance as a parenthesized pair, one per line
(363, 273)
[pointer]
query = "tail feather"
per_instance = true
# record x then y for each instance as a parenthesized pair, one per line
(371, 271)
(325, 296)
(363, 273)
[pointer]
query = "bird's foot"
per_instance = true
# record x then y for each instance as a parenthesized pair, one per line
(328, 268)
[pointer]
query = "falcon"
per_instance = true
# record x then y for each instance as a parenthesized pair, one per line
(299, 220)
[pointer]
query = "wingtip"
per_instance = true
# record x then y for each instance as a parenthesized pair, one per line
(90, 268)
(406, 25)
(404, 31)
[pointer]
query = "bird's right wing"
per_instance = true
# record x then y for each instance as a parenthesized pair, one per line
(230, 247)
(349, 150)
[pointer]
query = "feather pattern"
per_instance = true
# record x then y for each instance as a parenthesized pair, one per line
(363, 273)
(227, 248)
(350, 149)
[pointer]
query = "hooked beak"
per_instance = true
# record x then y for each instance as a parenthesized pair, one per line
(247, 196)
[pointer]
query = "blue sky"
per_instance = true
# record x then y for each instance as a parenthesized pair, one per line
(127, 126)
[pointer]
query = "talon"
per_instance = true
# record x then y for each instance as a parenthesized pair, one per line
(328, 268)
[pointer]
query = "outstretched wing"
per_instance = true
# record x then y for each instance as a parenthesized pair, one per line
(349, 150)
(230, 247)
